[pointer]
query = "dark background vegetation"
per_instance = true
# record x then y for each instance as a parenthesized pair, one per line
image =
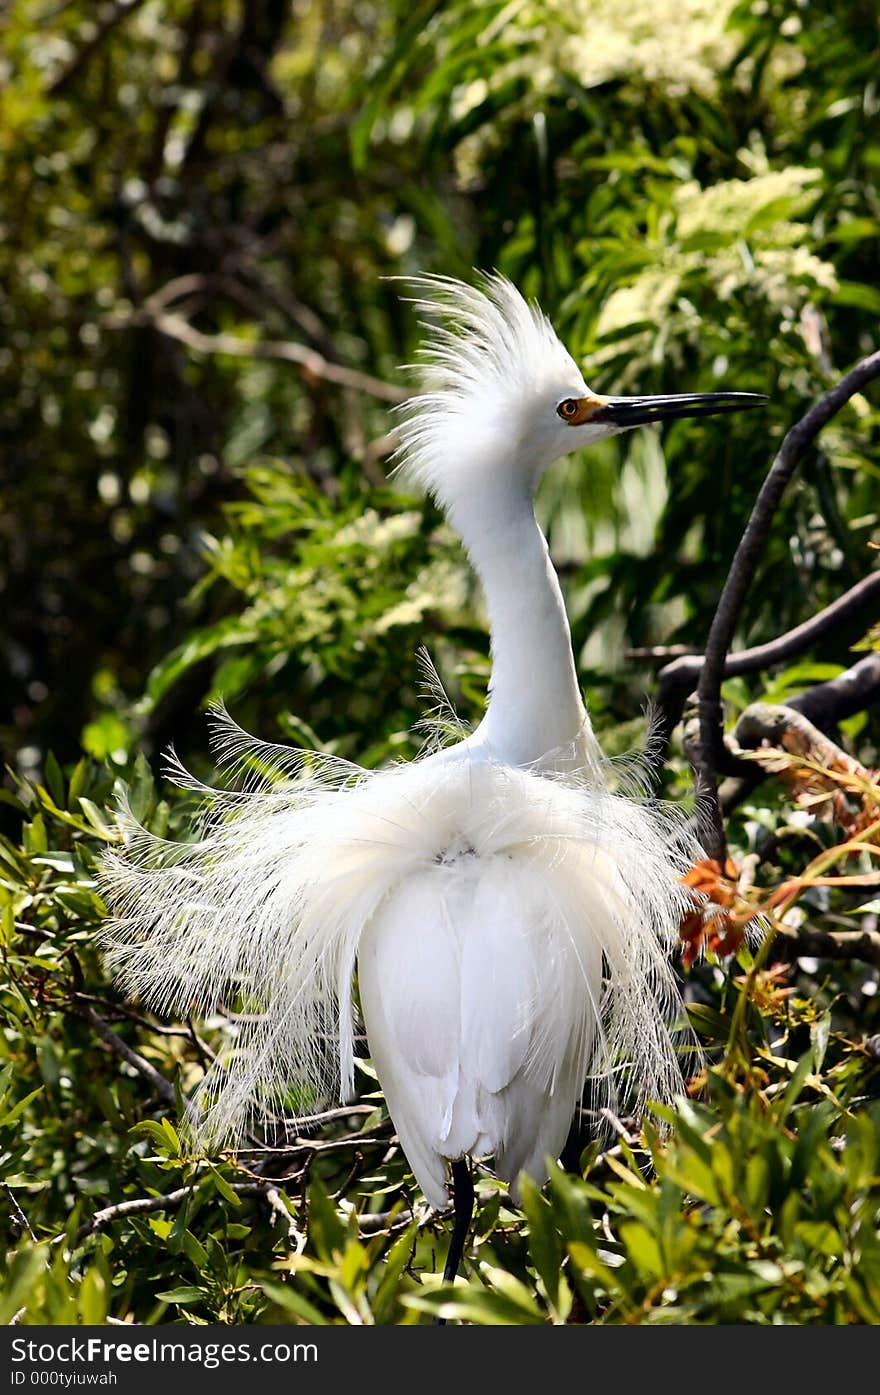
(201, 203)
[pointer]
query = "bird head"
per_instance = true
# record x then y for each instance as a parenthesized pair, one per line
(501, 397)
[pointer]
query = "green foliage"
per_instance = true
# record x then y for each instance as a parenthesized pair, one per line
(760, 1203)
(691, 191)
(374, 578)
(758, 1210)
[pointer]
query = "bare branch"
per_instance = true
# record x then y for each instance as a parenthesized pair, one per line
(121, 1048)
(679, 677)
(312, 364)
(851, 691)
(341, 1111)
(815, 712)
(828, 944)
(665, 653)
(739, 579)
(677, 680)
(786, 728)
(375, 1222)
(276, 1203)
(20, 1216)
(142, 1205)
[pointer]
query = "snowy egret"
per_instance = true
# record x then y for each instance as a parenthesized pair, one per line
(506, 913)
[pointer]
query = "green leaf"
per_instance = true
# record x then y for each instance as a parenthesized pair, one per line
(93, 1298)
(195, 1250)
(18, 1109)
(820, 1031)
(184, 1295)
(396, 1260)
(643, 1250)
(545, 1245)
(96, 819)
(54, 778)
(224, 1188)
(326, 1230)
(803, 1068)
(292, 1301)
(858, 294)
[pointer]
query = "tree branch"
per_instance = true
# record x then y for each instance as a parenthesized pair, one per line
(851, 691)
(276, 1203)
(678, 679)
(121, 1048)
(739, 579)
(828, 944)
(815, 712)
(154, 314)
(141, 1205)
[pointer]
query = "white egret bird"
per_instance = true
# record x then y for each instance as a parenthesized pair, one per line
(507, 917)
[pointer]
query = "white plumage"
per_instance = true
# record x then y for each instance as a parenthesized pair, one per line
(507, 916)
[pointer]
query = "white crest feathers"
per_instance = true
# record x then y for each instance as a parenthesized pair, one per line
(482, 369)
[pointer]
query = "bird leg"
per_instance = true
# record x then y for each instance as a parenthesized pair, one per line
(463, 1200)
(463, 1197)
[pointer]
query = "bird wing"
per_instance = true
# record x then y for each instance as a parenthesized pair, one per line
(478, 1016)
(408, 978)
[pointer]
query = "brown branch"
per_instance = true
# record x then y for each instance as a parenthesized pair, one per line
(276, 1203)
(814, 712)
(739, 579)
(160, 1029)
(375, 1222)
(653, 653)
(121, 1048)
(312, 364)
(326, 1116)
(677, 680)
(828, 944)
(141, 1205)
(851, 691)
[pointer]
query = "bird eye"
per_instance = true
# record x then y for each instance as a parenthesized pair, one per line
(567, 409)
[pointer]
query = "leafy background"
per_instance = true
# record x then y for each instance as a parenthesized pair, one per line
(192, 508)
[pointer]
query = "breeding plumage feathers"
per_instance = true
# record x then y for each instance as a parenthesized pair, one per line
(484, 902)
(508, 920)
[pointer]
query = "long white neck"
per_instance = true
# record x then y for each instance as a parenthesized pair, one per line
(535, 711)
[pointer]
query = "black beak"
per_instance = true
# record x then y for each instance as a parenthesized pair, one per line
(636, 411)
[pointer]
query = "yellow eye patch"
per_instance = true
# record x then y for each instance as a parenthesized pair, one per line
(577, 411)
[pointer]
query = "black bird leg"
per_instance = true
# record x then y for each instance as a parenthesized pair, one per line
(463, 1200)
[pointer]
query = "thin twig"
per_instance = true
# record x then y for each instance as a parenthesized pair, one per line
(20, 1216)
(276, 1202)
(121, 1048)
(739, 579)
(342, 1111)
(142, 1205)
(159, 1028)
(653, 653)
(375, 1222)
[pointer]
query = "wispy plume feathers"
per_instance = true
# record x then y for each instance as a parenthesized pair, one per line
(266, 910)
